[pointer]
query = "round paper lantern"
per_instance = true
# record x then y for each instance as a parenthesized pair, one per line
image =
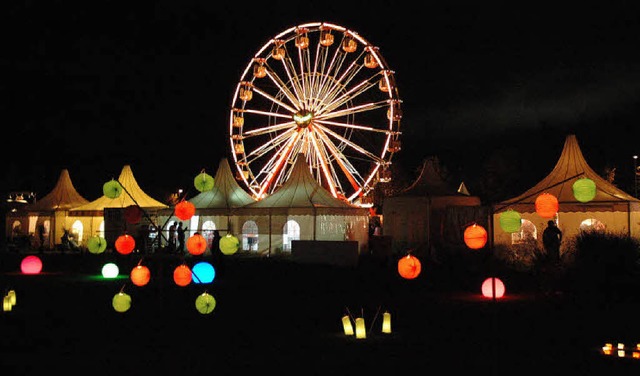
(205, 303)
(493, 287)
(229, 244)
(125, 244)
(409, 267)
(185, 210)
(203, 182)
(121, 302)
(110, 270)
(140, 275)
(203, 272)
(196, 244)
(31, 265)
(112, 189)
(546, 205)
(510, 221)
(96, 244)
(132, 214)
(475, 236)
(182, 275)
(584, 189)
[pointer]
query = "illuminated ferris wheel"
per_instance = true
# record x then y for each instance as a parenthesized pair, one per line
(321, 92)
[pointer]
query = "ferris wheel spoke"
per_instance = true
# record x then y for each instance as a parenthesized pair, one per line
(348, 170)
(352, 110)
(270, 145)
(336, 101)
(270, 129)
(323, 162)
(356, 127)
(280, 160)
(352, 145)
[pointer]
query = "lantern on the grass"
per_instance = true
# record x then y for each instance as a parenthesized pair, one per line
(96, 244)
(11, 294)
(409, 267)
(6, 304)
(346, 325)
(125, 244)
(205, 303)
(132, 214)
(386, 322)
(196, 244)
(510, 221)
(112, 189)
(203, 182)
(110, 270)
(584, 189)
(546, 205)
(121, 302)
(361, 330)
(229, 244)
(203, 272)
(493, 288)
(475, 236)
(31, 265)
(182, 275)
(140, 275)
(185, 210)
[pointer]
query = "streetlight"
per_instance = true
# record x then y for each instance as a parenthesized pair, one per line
(635, 175)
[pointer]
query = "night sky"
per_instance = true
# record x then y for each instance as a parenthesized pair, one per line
(92, 86)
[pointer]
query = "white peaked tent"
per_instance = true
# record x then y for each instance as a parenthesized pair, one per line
(611, 209)
(302, 202)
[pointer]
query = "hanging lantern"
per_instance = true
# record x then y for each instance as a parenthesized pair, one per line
(203, 182)
(110, 270)
(205, 303)
(182, 275)
(386, 322)
(6, 304)
(112, 189)
(11, 294)
(121, 302)
(140, 275)
(229, 244)
(475, 236)
(510, 221)
(493, 288)
(203, 272)
(196, 244)
(346, 325)
(409, 267)
(125, 244)
(132, 214)
(546, 205)
(584, 189)
(185, 210)
(31, 265)
(361, 331)
(96, 244)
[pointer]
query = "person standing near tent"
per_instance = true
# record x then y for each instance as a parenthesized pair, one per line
(172, 238)
(180, 233)
(551, 239)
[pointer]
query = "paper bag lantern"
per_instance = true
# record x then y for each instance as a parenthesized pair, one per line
(182, 275)
(386, 322)
(475, 236)
(546, 205)
(140, 275)
(361, 330)
(196, 244)
(110, 270)
(185, 210)
(125, 244)
(133, 214)
(229, 244)
(96, 244)
(203, 272)
(121, 302)
(203, 182)
(493, 288)
(112, 189)
(31, 265)
(409, 267)
(510, 221)
(584, 189)
(346, 325)
(205, 303)
(11, 294)
(6, 304)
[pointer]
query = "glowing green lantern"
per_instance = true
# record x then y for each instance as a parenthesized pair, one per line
(121, 302)
(203, 182)
(112, 189)
(510, 221)
(584, 189)
(229, 244)
(205, 303)
(96, 244)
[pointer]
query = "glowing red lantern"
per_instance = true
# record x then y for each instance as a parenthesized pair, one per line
(125, 244)
(409, 267)
(185, 210)
(196, 244)
(546, 205)
(182, 275)
(475, 236)
(132, 214)
(493, 288)
(31, 265)
(140, 275)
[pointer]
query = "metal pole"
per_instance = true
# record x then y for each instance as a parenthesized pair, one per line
(635, 175)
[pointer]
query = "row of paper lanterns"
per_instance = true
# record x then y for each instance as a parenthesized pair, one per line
(356, 327)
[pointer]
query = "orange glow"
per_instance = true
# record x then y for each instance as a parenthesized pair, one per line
(140, 275)
(409, 267)
(546, 205)
(475, 236)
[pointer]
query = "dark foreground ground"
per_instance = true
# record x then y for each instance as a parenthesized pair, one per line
(279, 317)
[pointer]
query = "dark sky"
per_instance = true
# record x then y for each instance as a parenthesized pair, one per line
(94, 85)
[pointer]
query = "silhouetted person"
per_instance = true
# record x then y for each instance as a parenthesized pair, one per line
(41, 237)
(217, 256)
(551, 239)
(172, 238)
(180, 233)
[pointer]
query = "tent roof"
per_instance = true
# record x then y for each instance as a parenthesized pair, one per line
(430, 182)
(131, 192)
(62, 197)
(559, 182)
(226, 192)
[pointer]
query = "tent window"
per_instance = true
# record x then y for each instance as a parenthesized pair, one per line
(290, 231)
(77, 231)
(207, 231)
(527, 233)
(250, 236)
(592, 224)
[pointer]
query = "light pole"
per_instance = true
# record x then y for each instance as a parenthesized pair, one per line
(635, 175)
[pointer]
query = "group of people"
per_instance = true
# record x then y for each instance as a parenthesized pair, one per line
(176, 237)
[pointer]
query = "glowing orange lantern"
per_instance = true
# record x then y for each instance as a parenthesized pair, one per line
(133, 214)
(196, 244)
(475, 236)
(546, 205)
(409, 267)
(125, 244)
(182, 275)
(140, 275)
(31, 265)
(185, 210)
(493, 288)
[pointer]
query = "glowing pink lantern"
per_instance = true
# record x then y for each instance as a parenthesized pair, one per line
(493, 288)
(31, 265)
